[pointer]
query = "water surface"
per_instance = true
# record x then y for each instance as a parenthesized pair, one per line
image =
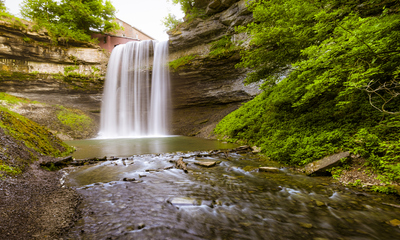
(124, 147)
(222, 202)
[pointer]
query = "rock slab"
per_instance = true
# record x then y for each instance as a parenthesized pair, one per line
(268, 169)
(320, 167)
(206, 164)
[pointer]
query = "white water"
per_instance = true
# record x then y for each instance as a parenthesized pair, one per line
(135, 103)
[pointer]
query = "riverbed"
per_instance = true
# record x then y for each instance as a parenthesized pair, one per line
(231, 200)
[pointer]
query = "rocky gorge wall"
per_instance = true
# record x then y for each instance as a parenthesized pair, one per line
(30, 65)
(69, 74)
(206, 85)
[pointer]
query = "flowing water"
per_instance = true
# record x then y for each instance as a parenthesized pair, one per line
(135, 101)
(231, 200)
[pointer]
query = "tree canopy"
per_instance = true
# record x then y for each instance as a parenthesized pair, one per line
(327, 43)
(71, 19)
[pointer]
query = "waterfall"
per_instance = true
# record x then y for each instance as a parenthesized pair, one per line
(135, 102)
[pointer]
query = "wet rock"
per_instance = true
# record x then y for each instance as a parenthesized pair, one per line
(129, 179)
(256, 149)
(167, 168)
(206, 164)
(320, 167)
(268, 169)
(394, 223)
(141, 225)
(151, 170)
(208, 203)
(182, 201)
(142, 175)
(181, 165)
(305, 225)
(392, 205)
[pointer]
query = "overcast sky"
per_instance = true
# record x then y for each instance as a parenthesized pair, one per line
(145, 15)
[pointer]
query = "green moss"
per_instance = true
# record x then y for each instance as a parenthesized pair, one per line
(182, 61)
(27, 39)
(13, 99)
(223, 48)
(32, 134)
(5, 169)
(74, 119)
(14, 21)
(50, 167)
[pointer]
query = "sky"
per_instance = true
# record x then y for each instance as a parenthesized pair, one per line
(145, 15)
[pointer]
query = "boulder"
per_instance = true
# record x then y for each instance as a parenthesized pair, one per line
(320, 167)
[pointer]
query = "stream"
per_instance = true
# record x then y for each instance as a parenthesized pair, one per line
(231, 200)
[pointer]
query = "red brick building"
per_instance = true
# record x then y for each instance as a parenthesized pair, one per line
(109, 40)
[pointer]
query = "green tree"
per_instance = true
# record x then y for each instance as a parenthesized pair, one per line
(325, 44)
(171, 22)
(186, 5)
(2, 6)
(71, 19)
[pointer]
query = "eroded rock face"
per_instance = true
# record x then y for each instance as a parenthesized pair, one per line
(223, 17)
(31, 67)
(209, 87)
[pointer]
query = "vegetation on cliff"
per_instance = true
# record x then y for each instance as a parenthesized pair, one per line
(66, 123)
(22, 142)
(330, 73)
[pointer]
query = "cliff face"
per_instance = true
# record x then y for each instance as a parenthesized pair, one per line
(30, 66)
(207, 86)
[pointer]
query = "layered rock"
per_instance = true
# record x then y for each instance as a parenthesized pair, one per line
(32, 67)
(208, 87)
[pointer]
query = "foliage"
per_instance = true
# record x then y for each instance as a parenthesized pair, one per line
(190, 9)
(182, 61)
(7, 17)
(9, 170)
(71, 19)
(326, 44)
(31, 134)
(326, 67)
(186, 5)
(13, 99)
(222, 48)
(2, 6)
(74, 119)
(171, 22)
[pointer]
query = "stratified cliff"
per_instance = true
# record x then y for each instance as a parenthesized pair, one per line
(30, 66)
(203, 54)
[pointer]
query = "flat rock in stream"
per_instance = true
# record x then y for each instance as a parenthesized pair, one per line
(206, 164)
(268, 169)
(320, 167)
(182, 201)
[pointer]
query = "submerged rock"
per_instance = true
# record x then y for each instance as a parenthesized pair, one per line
(129, 179)
(320, 167)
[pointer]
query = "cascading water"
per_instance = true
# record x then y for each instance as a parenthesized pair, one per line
(134, 102)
